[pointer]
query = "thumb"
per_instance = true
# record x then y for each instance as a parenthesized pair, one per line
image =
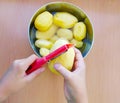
(62, 70)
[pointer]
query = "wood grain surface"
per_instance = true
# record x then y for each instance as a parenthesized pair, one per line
(103, 67)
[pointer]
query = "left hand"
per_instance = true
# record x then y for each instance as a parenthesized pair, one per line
(15, 78)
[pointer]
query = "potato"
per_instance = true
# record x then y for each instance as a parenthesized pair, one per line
(47, 34)
(61, 41)
(77, 43)
(54, 38)
(65, 33)
(66, 59)
(44, 51)
(79, 31)
(64, 19)
(43, 43)
(43, 21)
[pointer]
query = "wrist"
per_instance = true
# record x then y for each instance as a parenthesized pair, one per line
(82, 98)
(78, 98)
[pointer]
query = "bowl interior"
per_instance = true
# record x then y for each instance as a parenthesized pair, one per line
(65, 7)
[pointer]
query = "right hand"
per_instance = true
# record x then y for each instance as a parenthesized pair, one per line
(74, 81)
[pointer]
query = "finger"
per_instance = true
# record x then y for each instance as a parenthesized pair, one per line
(62, 70)
(79, 61)
(34, 74)
(78, 54)
(76, 64)
(28, 61)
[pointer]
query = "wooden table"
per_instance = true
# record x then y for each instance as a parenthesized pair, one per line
(103, 67)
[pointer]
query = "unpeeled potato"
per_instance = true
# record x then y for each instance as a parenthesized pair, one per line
(43, 21)
(64, 19)
(47, 34)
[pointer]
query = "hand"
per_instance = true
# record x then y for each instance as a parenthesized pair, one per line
(15, 78)
(74, 82)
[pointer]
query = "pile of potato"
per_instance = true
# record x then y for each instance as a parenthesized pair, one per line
(50, 28)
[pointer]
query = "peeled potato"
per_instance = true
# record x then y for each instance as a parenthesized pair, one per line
(43, 43)
(44, 51)
(64, 19)
(47, 34)
(77, 43)
(54, 38)
(58, 43)
(43, 21)
(79, 31)
(66, 59)
(65, 33)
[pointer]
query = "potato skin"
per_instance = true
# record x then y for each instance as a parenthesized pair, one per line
(64, 20)
(43, 21)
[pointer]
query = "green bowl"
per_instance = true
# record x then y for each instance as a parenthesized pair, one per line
(63, 7)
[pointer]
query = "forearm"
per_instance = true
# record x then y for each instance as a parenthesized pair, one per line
(78, 97)
(2, 96)
(78, 100)
(3, 92)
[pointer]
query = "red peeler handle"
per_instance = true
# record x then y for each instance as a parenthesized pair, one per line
(36, 65)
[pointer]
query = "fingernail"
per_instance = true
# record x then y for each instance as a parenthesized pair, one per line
(56, 66)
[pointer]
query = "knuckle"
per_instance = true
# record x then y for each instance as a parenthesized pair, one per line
(20, 65)
(15, 62)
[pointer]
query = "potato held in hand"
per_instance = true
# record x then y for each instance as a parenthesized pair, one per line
(43, 21)
(64, 20)
(66, 59)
